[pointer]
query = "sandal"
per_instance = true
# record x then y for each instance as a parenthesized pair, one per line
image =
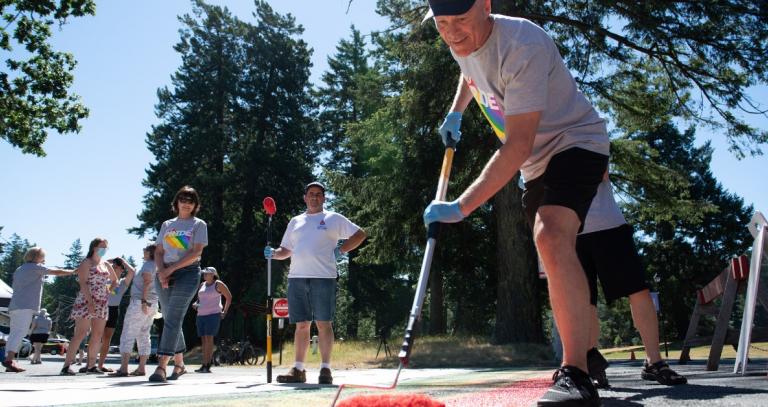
(137, 373)
(10, 367)
(106, 369)
(662, 373)
(118, 373)
(177, 373)
(158, 376)
(94, 370)
(66, 371)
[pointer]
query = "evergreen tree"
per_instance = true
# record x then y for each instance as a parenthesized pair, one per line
(236, 124)
(686, 254)
(707, 54)
(13, 257)
(342, 102)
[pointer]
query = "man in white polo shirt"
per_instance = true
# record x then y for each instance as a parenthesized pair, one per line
(311, 241)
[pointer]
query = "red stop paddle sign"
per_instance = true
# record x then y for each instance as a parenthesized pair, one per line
(269, 206)
(280, 308)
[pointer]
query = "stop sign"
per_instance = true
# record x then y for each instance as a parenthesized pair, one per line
(280, 308)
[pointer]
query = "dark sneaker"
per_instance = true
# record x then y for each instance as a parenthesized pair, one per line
(294, 376)
(597, 365)
(66, 371)
(325, 376)
(572, 387)
(662, 373)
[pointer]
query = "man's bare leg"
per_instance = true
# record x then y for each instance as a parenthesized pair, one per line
(555, 236)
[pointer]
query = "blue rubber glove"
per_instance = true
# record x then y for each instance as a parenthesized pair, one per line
(268, 252)
(443, 212)
(450, 128)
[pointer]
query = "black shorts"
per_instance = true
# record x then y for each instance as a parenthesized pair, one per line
(570, 180)
(38, 338)
(610, 256)
(114, 315)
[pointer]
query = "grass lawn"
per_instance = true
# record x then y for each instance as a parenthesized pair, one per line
(758, 350)
(444, 351)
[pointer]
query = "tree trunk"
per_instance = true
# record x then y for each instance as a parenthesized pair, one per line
(518, 307)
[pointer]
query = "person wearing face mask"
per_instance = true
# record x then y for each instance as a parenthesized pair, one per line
(181, 241)
(90, 308)
(25, 302)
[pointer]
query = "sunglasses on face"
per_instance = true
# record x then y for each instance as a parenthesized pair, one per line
(186, 200)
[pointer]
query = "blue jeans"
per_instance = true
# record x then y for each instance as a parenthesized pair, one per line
(174, 303)
(311, 299)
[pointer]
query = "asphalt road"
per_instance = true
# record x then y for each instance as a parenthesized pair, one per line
(243, 386)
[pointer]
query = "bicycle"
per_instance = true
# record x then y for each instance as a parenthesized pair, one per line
(242, 352)
(249, 354)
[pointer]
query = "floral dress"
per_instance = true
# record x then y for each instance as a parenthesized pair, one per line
(99, 284)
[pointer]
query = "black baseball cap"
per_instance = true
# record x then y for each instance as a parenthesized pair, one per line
(448, 8)
(314, 184)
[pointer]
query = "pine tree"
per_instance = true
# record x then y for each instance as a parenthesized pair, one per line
(13, 257)
(236, 125)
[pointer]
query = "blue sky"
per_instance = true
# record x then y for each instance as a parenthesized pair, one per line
(90, 183)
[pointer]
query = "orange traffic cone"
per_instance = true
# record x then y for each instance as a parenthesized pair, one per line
(632, 355)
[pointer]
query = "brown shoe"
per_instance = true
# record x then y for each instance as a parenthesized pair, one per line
(11, 367)
(294, 376)
(325, 376)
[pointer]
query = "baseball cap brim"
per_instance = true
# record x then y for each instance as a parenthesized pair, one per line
(448, 8)
(314, 184)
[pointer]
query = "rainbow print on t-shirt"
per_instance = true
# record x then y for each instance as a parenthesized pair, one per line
(490, 108)
(178, 239)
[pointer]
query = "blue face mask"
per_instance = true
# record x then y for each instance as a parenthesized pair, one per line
(101, 251)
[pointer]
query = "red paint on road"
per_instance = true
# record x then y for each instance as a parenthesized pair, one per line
(520, 394)
(383, 400)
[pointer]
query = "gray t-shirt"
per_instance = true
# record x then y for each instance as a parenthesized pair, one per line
(116, 295)
(519, 70)
(137, 289)
(28, 286)
(603, 213)
(180, 235)
(43, 324)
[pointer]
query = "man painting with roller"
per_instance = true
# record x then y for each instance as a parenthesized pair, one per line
(311, 241)
(553, 135)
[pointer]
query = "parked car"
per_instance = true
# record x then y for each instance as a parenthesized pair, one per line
(25, 349)
(55, 347)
